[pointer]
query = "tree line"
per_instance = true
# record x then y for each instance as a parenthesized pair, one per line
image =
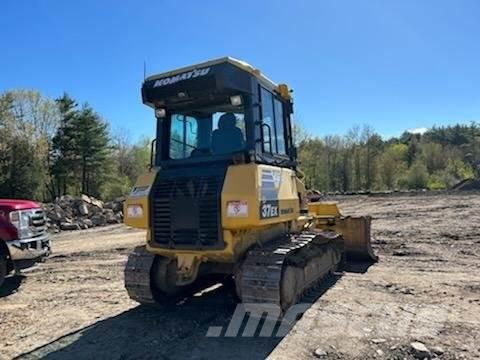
(53, 147)
(363, 160)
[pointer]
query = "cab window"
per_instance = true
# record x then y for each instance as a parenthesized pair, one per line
(183, 131)
(206, 133)
(272, 123)
(279, 130)
(268, 125)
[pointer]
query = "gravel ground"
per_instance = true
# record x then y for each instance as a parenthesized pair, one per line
(426, 288)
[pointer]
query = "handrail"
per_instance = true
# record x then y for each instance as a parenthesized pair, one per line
(152, 151)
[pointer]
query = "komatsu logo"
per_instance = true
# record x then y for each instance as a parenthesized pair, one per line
(180, 77)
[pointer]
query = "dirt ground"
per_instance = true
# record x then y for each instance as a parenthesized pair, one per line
(426, 287)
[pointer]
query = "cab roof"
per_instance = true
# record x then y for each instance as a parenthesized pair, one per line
(238, 63)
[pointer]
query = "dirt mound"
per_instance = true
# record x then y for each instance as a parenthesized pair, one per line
(467, 184)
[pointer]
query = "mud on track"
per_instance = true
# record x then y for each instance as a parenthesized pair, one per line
(426, 287)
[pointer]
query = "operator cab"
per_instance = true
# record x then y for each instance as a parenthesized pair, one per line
(220, 111)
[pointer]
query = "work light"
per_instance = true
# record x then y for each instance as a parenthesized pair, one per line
(160, 113)
(236, 100)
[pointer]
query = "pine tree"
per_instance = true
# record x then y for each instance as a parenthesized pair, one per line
(64, 157)
(92, 149)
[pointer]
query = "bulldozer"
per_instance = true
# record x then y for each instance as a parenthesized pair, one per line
(223, 196)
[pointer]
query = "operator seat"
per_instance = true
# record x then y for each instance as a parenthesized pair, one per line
(228, 137)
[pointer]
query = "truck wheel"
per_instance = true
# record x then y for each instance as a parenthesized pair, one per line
(3, 269)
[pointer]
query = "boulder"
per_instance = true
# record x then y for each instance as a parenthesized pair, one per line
(97, 203)
(66, 198)
(320, 353)
(85, 198)
(69, 226)
(83, 209)
(419, 350)
(92, 210)
(88, 222)
(56, 213)
(437, 350)
(110, 216)
(99, 220)
(119, 217)
(118, 204)
(65, 201)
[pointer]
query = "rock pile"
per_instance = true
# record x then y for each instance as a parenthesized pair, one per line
(82, 212)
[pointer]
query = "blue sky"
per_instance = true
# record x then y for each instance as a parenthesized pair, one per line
(395, 65)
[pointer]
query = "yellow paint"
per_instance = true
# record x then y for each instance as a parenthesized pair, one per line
(243, 183)
(323, 209)
(284, 91)
(144, 180)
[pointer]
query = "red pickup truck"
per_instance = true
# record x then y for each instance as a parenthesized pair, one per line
(23, 235)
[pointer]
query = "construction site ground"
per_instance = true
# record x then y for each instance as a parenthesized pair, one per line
(426, 288)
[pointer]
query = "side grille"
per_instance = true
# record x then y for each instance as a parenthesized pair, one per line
(186, 212)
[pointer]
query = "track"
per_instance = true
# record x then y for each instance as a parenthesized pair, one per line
(137, 275)
(281, 272)
(278, 273)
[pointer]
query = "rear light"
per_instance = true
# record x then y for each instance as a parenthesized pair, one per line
(134, 211)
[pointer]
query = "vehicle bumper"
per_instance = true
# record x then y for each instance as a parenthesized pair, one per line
(29, 249)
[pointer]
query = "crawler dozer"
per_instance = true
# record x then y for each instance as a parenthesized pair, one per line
(222, 198)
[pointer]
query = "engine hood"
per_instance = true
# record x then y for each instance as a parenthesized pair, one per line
(16, 204)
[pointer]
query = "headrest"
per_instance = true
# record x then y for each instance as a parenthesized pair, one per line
(227, 121)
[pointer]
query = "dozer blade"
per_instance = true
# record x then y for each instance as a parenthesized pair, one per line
(356, 236)
(355, 230)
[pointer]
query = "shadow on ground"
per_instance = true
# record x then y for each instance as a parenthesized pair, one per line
(175, 333)
(154, 333)
(11, 285)
(357, 267)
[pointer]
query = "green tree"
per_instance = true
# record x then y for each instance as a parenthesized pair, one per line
(393, 164)
(416, 177)
(19, 167)
(27, 123)
(81, 150)
(92, 149)
(63, 153)
(130, 162)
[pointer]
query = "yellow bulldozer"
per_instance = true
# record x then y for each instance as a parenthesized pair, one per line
(222, 198)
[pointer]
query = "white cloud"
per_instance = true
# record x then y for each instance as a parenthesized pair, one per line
(420, 131)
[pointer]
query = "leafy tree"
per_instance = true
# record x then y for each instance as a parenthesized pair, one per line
(394, 164)
(27, 123)
(19, 167)
(417, 176)
(130, 161)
